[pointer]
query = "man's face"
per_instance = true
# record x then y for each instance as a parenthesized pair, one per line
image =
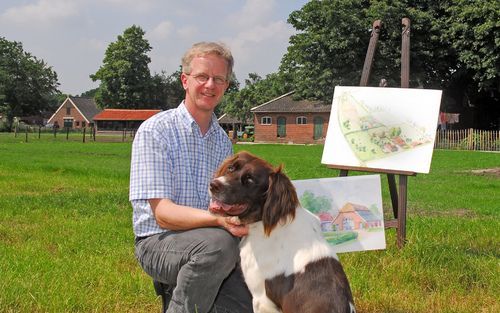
(203, 94)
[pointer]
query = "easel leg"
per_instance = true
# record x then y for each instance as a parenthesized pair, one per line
(402, 201)
(394, 193)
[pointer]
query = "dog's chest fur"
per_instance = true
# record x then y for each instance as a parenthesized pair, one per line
(287, 250)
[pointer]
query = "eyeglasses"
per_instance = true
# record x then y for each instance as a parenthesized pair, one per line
(204, 78)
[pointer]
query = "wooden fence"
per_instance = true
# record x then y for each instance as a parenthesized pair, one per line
(468, 139)
(82, 134)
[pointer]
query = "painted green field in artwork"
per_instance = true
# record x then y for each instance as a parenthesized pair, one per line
(66, 241)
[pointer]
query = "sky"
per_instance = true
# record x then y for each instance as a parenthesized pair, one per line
(71, 36)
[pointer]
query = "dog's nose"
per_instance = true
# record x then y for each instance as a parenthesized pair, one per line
(215, 185)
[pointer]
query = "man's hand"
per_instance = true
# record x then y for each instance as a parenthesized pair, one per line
(234, 226)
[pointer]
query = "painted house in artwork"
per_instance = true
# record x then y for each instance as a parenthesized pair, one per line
(354, 217)
(75, 112)
(326, 220)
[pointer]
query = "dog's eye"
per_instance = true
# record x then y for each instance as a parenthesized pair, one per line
(247, 179)
(231, 168)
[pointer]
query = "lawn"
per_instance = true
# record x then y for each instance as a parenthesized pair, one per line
(66, 241)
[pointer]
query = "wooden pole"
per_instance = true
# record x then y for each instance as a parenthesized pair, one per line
(84, 134)
(405, 54)
(26, 130)
(367, 67)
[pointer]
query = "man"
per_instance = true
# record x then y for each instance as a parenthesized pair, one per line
(174, 156)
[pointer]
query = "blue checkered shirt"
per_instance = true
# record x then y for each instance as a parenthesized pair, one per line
(172, 159)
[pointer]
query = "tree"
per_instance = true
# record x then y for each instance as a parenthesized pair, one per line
(454, 46)
(27, 84)
(321, 55)
(89, 93)
(125, 76)
(474, 29)
(256, 91)
(315, 204)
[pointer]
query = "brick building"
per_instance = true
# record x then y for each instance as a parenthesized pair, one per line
(75, 112)
(284, 120)
(355, 216)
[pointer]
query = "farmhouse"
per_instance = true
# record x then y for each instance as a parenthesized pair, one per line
(284, 120)
(120, 119)
(354, 216)
(75, 112)
(326, 220)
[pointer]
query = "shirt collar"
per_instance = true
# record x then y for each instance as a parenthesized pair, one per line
(191, 124)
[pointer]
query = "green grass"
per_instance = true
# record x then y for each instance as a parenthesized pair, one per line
(66, 241)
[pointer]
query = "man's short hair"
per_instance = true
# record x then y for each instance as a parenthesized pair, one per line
(204, 48)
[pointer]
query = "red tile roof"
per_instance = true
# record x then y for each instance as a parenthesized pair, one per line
(124, 115)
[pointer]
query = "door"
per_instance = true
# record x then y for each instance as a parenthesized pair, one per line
(318, 128)
(281, 127)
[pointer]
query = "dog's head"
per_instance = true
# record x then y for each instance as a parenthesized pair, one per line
(252, 189)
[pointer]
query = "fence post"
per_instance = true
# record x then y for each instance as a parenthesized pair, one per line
(84, 134)
(26, 133)
(67, 133)
(93, 132)
(471, 139)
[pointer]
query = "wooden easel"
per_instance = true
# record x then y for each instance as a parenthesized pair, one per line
(398, 192)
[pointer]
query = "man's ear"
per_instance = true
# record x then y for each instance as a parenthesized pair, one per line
(184, 78)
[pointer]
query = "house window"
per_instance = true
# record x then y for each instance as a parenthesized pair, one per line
(265, 120)
(83, 124)
(68, 110)
(301, 120)
(281, 127)
(77, 124)
(68, 123)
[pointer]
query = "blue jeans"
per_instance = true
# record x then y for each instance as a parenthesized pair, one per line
(200, 266)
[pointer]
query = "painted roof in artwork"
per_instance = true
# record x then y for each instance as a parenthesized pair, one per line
(125, 115)
(361, 210)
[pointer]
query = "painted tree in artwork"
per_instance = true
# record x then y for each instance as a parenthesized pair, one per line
(315, 204)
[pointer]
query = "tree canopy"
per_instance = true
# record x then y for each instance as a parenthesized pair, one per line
(454, 46)
(27, 84)
(257, 90)
(125, 79)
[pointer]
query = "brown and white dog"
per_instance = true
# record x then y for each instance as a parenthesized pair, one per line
(287, 264)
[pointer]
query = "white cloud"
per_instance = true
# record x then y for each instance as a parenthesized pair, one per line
(260, 48)
(161, 31)
(40, 13)
(254, 12)
(187, 32)
(93, 44)
(133, 5)
(259, 36)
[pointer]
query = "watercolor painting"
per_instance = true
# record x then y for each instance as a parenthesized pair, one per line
(382, 128)
(349, 209)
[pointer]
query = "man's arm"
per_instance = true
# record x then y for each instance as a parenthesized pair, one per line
(177, 217)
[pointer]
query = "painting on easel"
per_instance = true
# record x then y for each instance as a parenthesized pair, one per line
(349, 209)
(382, 128)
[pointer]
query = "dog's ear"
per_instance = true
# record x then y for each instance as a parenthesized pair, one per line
(281, 201)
